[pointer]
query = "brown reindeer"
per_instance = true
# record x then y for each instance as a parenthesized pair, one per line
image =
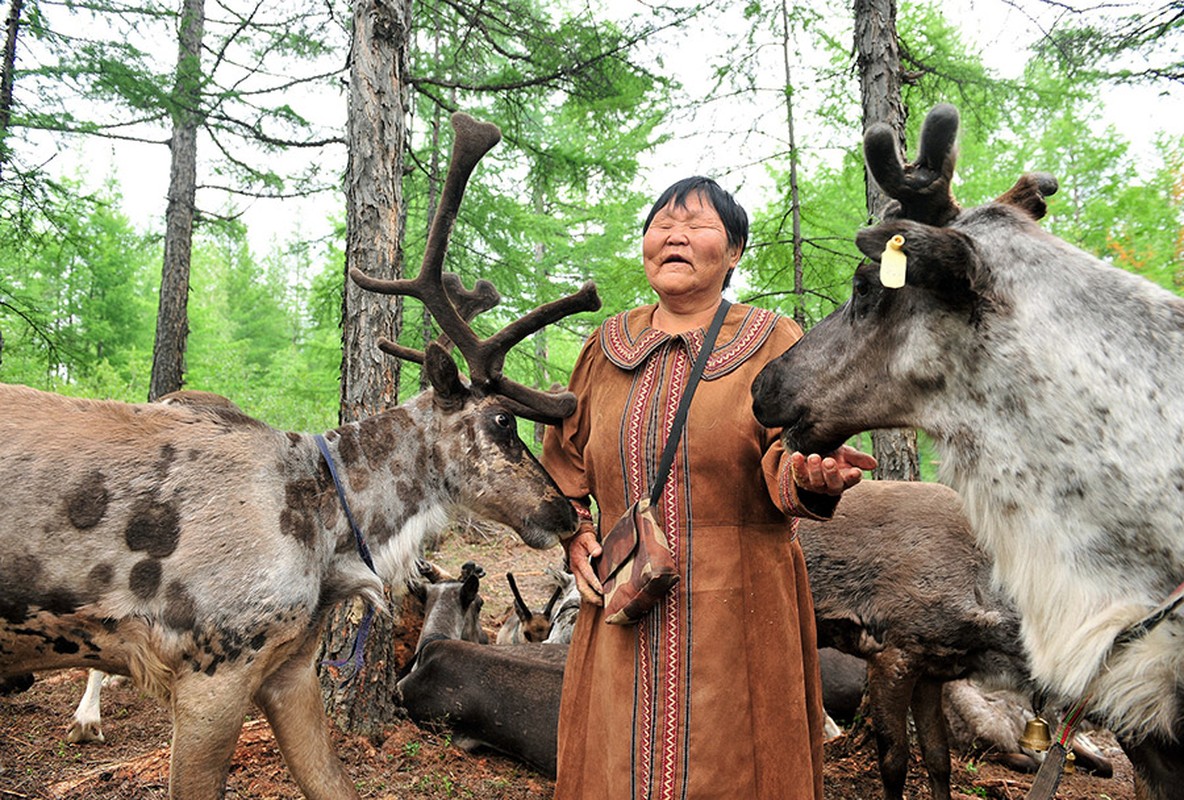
(523, 624)
(200, 550)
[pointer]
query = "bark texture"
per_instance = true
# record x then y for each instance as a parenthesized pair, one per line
(878, 61)
(375, 217)
(7, 72)
(172, 318)
(377, 123)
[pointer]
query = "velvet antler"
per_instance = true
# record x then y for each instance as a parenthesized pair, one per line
(922, 187)
(454, 307)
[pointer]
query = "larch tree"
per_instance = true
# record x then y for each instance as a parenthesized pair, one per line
(231, 92)
(541, 77)
(878, 64)
(172, 319)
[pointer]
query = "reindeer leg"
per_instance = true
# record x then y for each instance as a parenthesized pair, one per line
(890, 689)
(88, 724)
(291, 699)
(930, 718)
(208, 714)
(1158, 765)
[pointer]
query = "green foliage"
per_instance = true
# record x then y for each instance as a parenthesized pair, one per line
(551, 206)
(77, 312)
(75, 296)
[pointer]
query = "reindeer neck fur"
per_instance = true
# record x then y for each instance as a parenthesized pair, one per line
(395, 487)
(1079, 521)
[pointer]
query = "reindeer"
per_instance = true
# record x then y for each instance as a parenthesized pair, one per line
(200, 550)
(1053, 386)
(451, 606)
(525, 625)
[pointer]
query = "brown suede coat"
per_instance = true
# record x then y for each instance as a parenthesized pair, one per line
(716, 693)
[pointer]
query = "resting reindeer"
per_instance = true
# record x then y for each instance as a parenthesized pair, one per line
(522, 624)
(451, 606)
(200, 550)
(1053, 386)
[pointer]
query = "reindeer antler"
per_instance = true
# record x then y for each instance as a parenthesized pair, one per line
(922, 187)
(454, 307)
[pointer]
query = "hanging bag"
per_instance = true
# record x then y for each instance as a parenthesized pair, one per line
(636, 566)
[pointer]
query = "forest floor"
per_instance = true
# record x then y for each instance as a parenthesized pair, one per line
(405, 761)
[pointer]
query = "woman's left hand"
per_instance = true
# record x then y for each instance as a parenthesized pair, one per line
(833, 473)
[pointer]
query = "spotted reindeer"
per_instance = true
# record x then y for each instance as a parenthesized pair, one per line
(200, 550)
(1053, 386)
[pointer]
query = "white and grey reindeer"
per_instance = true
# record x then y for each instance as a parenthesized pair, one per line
(1053, 386)
(200, 550)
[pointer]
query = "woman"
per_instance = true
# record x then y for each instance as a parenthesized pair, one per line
(716, 692)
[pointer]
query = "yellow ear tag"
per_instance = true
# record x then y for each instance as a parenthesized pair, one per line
(893, 263)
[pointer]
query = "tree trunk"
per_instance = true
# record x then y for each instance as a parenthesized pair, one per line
(7, 72)
(172, 319)
(377, 133)
(799, 279)
(878, 61)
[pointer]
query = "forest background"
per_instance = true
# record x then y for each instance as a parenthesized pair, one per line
(601, 104)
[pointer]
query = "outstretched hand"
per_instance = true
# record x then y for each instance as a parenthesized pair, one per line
(581, 549)
(833, 473)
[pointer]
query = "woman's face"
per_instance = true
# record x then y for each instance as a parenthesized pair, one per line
(686, 252)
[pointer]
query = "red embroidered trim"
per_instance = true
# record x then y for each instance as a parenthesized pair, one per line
(628, 352)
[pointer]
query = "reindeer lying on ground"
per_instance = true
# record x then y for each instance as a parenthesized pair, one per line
(199, 550)
(1053, 386)
(451, 606)
(523, 624)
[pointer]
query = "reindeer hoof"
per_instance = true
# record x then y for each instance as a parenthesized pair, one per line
(90, 732)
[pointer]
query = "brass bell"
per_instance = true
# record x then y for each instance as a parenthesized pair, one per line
(1036, 735)
(1070, 763)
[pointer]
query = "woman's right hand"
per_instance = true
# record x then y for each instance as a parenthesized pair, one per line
(581, 549)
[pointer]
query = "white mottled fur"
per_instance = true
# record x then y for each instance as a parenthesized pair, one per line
(1046, 489)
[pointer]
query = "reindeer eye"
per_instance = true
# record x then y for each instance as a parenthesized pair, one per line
(503, 420)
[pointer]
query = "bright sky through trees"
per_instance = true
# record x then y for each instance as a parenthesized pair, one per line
(730, 138)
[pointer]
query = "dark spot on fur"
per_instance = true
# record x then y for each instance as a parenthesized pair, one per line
(359, 479)
(17, 587)
(168, 454)
(99, 578)
(60, 600)
(87, 503)
(347, 446)
(410, 492)
(258, 640)
(144, 578)
(294, 439)
(180, 610)
(377, 435)
(154, 528)
(63, 645)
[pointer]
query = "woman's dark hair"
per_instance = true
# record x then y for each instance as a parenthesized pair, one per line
(731, 213)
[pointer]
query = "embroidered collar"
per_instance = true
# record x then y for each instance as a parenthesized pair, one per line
(628, 340)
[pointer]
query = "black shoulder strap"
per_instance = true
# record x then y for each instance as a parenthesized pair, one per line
(684, 405)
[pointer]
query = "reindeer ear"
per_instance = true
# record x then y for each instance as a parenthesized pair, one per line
(444, 376)
(939, 259)
(468, 591)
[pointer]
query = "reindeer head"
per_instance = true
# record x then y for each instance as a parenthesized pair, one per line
(486, 465)
(875, 360)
